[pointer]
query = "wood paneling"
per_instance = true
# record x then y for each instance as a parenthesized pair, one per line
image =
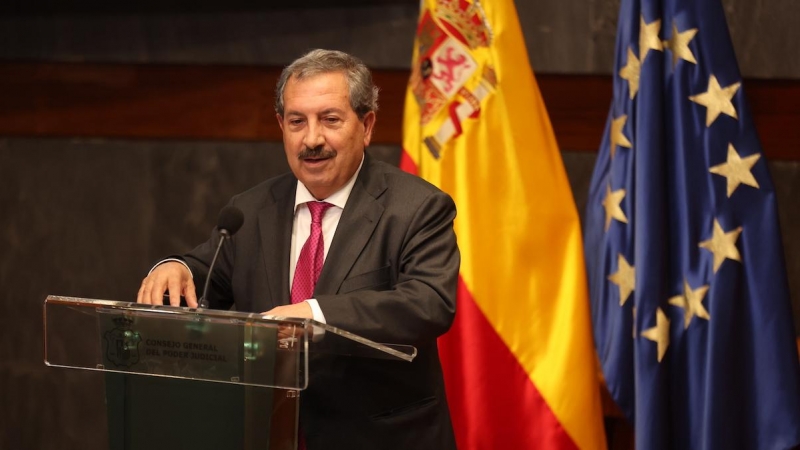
(235, 103)
(44, 7)
(130, 101)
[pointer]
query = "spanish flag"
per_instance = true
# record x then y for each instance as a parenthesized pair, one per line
(520, 367)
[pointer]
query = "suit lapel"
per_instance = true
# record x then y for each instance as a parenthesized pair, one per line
(275, 228)
(358, 221)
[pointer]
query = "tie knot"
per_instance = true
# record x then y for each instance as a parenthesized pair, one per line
(317, 210)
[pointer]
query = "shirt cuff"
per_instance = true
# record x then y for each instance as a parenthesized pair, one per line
(316, 311)
(184, 265)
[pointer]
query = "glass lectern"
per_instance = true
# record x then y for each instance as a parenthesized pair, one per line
(181, 377)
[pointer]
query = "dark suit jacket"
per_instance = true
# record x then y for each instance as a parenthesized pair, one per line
(390, 275)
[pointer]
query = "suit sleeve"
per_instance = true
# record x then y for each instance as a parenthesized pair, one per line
(419, 305)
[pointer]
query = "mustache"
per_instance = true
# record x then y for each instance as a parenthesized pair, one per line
(316, 153)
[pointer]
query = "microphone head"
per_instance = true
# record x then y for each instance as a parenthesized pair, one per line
(230, 220)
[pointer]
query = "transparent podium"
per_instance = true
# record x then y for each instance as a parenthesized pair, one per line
(181, 377)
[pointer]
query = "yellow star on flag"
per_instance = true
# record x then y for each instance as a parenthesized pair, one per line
(611, 204)
(659, 333)
(648, 38)
(631, 72)
(616, 136)
(717, 100)
(723, 245)
(737, 170)
(625, 278)
(678, 43)
(692, 303)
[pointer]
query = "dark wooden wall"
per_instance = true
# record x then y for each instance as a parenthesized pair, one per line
(124, 129)
(234, 103)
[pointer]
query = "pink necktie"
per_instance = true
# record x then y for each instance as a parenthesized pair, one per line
(312, 255)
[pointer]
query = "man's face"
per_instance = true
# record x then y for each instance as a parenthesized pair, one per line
(323, 137)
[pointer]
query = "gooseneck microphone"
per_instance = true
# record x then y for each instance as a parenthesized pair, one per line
(230, 220)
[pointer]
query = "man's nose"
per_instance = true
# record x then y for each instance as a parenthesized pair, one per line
(313, 137)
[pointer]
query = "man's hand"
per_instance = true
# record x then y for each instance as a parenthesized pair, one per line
(170, 276)
(301, 310)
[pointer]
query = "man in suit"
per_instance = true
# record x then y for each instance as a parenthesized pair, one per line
(390, 263)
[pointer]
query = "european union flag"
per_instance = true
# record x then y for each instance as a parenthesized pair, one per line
(690, 303)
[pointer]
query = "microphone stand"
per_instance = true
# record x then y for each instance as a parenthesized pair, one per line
(203, 302)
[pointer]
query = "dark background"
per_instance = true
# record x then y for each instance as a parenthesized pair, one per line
(87, 214)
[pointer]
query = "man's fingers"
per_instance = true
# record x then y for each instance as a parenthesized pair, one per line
(157, 287)
(147, 287)
(140, 294)
(174, 289)
(190, 294)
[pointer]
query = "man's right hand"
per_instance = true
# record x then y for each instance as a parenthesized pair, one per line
(172, 277)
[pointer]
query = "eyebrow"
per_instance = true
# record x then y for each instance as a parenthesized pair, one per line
(323, 112)
(331, 110)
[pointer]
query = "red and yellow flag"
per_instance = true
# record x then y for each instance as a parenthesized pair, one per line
(519, 364)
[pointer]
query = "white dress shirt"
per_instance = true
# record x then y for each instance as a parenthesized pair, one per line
(301, 228)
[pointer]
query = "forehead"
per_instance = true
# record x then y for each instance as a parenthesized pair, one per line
(322, 91)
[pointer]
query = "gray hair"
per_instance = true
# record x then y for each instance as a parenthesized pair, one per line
(363, 94)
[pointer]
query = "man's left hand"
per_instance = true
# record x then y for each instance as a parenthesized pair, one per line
(301, 310)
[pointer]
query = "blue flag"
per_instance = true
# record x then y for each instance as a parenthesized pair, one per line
(690, 304)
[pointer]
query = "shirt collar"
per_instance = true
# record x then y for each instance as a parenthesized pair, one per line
(338, 198)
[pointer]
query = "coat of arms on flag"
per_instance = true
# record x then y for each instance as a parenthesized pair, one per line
(451, 76)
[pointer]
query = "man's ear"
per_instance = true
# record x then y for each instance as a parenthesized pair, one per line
(280, 120)
(369, 125)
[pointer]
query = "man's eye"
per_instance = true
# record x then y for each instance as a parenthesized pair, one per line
(331, 119)
(296, 122)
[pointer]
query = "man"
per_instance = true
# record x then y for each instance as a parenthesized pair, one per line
(390, 263)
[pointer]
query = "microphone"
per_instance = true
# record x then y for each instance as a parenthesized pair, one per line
(229, 221)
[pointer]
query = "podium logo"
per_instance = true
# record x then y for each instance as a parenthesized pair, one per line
(122, 343)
